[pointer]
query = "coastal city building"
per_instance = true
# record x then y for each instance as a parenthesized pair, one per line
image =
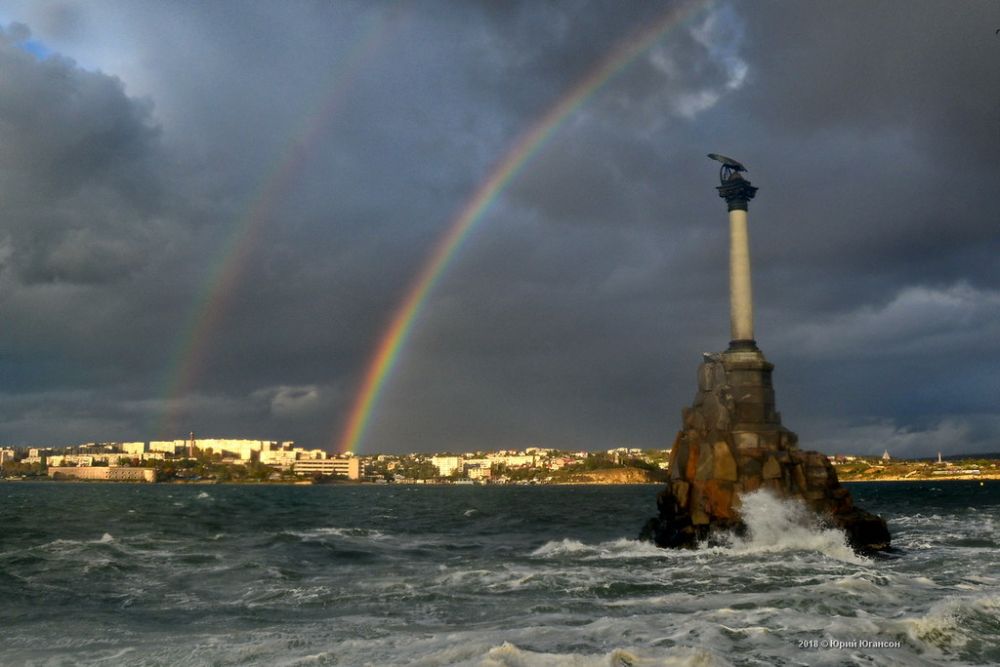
(106, 473)
(447, 465)
(349, 467)
(249, 460)
(135, 448)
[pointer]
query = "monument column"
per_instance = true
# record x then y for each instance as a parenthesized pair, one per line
(737, 191)
(732, 442)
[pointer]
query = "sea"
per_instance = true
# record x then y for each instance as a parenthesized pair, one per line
(131, 574)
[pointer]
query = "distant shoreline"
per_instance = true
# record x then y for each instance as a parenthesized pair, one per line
(952, 478)
(887, 480)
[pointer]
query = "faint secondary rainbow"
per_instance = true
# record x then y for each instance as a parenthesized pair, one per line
(212, 301)
(527, 145)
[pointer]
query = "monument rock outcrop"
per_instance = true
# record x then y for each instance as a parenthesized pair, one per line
(733, 443)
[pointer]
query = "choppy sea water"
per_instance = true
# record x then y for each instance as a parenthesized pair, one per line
(116, 574)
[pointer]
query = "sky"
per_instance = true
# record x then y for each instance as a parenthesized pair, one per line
(211, 213)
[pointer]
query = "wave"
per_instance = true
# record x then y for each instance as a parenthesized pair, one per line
(615, 549)
(773, 525)
(319, 534)
(954, 624)
(509, 655)
(777, 525)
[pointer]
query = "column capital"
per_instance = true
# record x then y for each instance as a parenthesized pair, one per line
(737, 192)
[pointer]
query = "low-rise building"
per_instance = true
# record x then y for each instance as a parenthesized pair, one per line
(350, 467)
(513, 460)
(70, 460)
(107, 473)
(478, 471)
(279, 458)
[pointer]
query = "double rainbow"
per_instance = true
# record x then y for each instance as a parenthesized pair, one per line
(208, 311)
(527, 146)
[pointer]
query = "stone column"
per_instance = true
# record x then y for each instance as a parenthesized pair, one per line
(737, 192)
(740, 293)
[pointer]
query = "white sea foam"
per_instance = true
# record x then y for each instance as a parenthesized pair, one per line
(105, 538)
(775, 525)
(509, 655)
(203, 495)
(954, 621)
(332, 531)
(614, 549)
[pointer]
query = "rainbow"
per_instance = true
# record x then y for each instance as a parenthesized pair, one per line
(527, 145)
(211, 304)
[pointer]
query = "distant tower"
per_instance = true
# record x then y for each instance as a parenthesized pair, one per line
(940, 462)
(885, 456)
(192, 448)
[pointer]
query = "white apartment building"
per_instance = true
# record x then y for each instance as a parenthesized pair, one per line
(279, 458)
(135, 448)
(245, 450)
(70, 460)
(6, 454)
(168, 446)
(446, 465)
(513, 460)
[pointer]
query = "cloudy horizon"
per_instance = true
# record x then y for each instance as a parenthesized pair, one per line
(210, 213)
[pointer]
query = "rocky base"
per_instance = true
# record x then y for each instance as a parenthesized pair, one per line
(866, 533)
(733, 443)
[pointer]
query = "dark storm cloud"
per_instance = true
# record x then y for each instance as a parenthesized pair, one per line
(575, 314)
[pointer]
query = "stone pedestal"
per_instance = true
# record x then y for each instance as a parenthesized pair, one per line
(733, 443)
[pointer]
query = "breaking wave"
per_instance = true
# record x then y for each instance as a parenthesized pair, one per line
(774, 525)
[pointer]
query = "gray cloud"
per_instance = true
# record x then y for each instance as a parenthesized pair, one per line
(347, 136)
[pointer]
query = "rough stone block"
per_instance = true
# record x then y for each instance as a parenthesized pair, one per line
(681, 490)
(706, 377)
(799, 475)
(789, 440)
(775, 486)
(678, 456)
(725, 464)
(816, 475)
(746, 439)
(750, 466)
(772, 469)
(719, 499)
(696, 503)
(816, 459)
(692, 459)
(706, 462)
(769, 439)
(750, 413)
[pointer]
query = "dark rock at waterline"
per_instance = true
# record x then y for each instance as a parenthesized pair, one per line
(732, 444)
